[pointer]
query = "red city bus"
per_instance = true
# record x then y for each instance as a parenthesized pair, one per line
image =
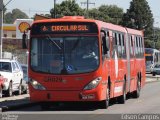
(78, 59)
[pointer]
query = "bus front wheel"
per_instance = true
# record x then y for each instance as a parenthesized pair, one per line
(105, 103)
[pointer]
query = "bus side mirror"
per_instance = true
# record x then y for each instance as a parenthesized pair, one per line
(24, 40)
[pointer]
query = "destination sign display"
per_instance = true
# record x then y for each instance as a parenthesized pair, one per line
(63, 28)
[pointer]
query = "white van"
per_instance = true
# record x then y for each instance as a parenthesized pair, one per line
(12, 71)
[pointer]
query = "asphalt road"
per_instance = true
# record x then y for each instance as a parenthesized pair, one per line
(148, 104)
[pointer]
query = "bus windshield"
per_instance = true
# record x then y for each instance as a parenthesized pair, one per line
(64, 55)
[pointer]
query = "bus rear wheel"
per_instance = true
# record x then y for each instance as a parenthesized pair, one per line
(136, 93)
(122, 98)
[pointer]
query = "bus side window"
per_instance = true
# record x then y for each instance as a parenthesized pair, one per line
(108, 43)
(105, 43)
(114, 45)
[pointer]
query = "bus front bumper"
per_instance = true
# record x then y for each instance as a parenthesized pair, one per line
(49, 96)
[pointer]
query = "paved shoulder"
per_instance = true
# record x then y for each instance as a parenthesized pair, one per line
(14, 102)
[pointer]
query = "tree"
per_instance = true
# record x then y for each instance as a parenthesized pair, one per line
(10, 17)
(67, 8)
(139, 16)
(107, 13)
(111, 13)
(94, 14)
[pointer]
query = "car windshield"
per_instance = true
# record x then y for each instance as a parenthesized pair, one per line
(157, 66)
(65, 55)
(5, 67)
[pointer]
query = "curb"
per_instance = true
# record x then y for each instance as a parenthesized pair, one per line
(154, 79)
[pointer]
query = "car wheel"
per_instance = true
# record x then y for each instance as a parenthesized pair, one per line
(27, 90)
(154, 74)
(20, 89)
(10, 91)
(1, 92)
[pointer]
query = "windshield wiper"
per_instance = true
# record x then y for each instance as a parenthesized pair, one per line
(49, 38)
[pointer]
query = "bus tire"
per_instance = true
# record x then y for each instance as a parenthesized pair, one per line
(136, 93)
(122, 98)
(105, 103)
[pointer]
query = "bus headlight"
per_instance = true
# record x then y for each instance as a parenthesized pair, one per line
(93, 84)
(36, 85)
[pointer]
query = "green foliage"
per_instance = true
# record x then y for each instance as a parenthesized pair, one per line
(157, 33)
(107, 13)
(67, 8)
(148, 43)
(113, 12)
(10, 17)
(139, 16)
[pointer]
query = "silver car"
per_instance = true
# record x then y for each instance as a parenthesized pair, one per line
(156, 70)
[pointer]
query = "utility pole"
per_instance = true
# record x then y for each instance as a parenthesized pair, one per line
(54, 8)
(1, 26)
(87, 2)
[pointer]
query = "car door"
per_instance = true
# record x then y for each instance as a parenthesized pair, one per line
(20, 72)
(15, 76)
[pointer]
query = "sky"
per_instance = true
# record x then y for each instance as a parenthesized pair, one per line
(31, 7)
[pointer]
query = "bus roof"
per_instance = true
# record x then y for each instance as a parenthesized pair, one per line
(100, 24)
(133, 31)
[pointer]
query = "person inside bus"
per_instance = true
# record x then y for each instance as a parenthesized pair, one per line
(85, 55)
(91, 52)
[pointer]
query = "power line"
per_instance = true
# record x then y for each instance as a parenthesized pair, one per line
(54, 8)
(7, 3)
(87, 2)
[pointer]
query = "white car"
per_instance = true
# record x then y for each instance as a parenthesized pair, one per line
(12, 71)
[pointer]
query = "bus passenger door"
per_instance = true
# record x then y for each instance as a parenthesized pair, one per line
(132, 63)
(105, 55)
